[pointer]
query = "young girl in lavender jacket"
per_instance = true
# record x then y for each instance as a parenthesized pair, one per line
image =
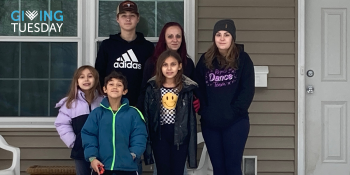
(84, 95)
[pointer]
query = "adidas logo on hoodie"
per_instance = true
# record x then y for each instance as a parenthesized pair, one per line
(128, 61)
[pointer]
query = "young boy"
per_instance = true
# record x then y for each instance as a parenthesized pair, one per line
(125, 52)
(114, 135)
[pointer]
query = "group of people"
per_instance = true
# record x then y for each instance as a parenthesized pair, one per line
(140, 100)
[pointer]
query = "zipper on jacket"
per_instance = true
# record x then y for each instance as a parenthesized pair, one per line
(87, 102)
(160, 129)
(177, 146)
(159, 104)
(113, 131)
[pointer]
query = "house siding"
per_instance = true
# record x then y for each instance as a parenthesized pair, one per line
(39, 147)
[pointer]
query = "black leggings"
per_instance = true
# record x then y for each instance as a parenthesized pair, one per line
(170, 158)
(226, 146)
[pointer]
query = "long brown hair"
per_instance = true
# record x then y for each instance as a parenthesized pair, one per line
(73, 90)
(230, 60)
(160, 78)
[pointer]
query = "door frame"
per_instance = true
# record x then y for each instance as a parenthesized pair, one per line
(301, 89)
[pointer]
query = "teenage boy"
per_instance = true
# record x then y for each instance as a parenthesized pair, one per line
(114, 135)
(125, 52)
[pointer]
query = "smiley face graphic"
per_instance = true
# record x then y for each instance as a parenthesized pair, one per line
(169, 100)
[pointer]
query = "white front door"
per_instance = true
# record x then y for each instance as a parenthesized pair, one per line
(327, 108)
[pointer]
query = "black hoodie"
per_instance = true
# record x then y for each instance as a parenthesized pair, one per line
(225, 95)
(126, 57)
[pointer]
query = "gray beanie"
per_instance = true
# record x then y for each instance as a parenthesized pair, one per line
(227, 25)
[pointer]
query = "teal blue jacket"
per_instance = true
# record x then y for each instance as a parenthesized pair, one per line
(112, 137)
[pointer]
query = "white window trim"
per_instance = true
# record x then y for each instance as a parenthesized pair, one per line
(87, 11)
(90, 31)
(27, 122)
(43, 122)
(190, 27)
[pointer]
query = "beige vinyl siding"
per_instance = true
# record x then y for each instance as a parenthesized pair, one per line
(268, 31)
(39, 147)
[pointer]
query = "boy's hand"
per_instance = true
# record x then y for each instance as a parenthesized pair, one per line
(95, 165)
(101, 169)
(133, 155)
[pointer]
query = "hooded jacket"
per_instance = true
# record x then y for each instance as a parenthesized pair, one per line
(69, 122)
(111, 137)
(126, 57)
(185, 119)
(225, 94)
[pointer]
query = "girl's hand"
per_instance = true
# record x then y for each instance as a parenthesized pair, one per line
(196, 104)
(95, 164)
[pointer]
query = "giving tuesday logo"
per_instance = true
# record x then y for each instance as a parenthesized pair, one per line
(31, 15)
(44, 21)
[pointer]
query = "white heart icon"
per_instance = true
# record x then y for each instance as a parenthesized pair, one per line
(31, 15)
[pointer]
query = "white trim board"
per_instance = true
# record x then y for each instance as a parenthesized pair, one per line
(190, 27)
(301, 88)
(27, 122)
(90, 32)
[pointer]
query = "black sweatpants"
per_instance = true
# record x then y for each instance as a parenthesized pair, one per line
(225, 147)
(170, 158)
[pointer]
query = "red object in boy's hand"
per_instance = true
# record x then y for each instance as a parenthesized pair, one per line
(101, 169)
(196, 104)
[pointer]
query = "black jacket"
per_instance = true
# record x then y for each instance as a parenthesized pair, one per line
(149, 72)
(185, 120)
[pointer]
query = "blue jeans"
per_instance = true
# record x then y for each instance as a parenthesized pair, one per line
(139, 171)
(82, 167)
(226, 146)
(120, 173)
(155, 169)
(139, 165)
(116, 172)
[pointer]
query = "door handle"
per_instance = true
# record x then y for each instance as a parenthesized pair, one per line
(310, 89)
